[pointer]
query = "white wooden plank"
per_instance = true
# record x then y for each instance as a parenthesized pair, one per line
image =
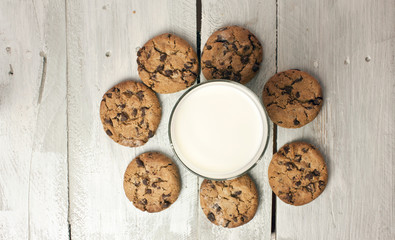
(98, 205)
(33, 127)
(259, 16)
(349, 47)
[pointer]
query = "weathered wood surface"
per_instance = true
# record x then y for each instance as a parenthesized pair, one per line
(33, 126)
(102, 41)
(51, 147)
(259, 17)
(349, 47)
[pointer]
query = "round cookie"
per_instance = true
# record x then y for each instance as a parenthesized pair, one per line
(298, 173)
(152, 182)
(130, 113)
(232, 53)
(167, 64)
(229, 203)
(292, 98)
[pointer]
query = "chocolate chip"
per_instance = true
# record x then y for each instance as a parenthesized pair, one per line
(145, 182)
(148, 55)
(296, 122)
(234, 46)
(109, 133)
(115, 90)
(242, 218)
(139, 52)
(160, 68)
(221, 39)
(287, 89)
(227, 74)
(321, 184)
(134, 112)
(168, 73)
(150, 134)
(309, 176)
(128, 93)
(154, 185)
(217, 207)
(235, 194)
(298, 158)
(211, 216)
(286, 149)
(124, 117)
(234, 219)
(162, 57)
(209, 47)
(165, 195)
(236, 77)
(289, 166)
(246, 48)
(139, 162)
(298, 183)
(245, 59)
(310, 187)
(144, 201)
(225, 52)
(108, 121)
(297, 95)
(140, 95)
(305, 150)
(255, 68)
(316, 173)
(166, 204)
(143, 111)
(208, 63)
(297, 80)
(109, 95)
(188, 65)
(316, 101)
(136, 184)
(288, 197)
(148, 191)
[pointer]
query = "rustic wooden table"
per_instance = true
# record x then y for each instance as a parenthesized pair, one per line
(61, 176)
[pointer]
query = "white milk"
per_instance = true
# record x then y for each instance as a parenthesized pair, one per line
(219, 129)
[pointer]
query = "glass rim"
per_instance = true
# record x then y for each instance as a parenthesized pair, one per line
(253, 95)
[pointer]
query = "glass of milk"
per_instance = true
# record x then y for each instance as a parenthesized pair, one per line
(219, 129)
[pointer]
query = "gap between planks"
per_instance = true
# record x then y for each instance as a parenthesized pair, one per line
(67, 123)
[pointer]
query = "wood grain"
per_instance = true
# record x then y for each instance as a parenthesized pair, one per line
(260, 18)
(349, 47)
(102, 41)
(33, 126)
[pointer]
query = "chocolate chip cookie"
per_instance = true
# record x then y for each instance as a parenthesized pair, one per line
(292, 98)
(229, 203)
(298, 173)
(152, 182)
(130, 113)
(232, 53)
(167, 64)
